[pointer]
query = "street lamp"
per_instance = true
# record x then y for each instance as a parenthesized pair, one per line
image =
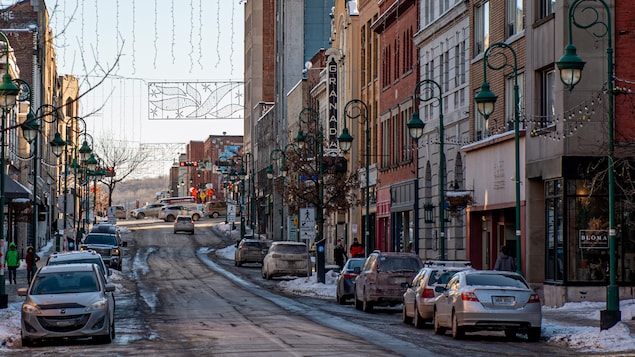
(57, 146)
(313, 116)
(357, 109)
(425, 91)
(8, 97)
(283, 172)
(485, 101)
(570, 66)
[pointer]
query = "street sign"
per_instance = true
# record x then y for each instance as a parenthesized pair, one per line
(307, 223)
(231, 212)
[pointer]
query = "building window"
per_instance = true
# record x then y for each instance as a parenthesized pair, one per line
(515, 23)
(428, 10)
(362, 61)
(509, 100)
(446, 71)
(407, 146)
(481, 28)
(547, 98)
(385, 143)
(554, 235)
(547, 7)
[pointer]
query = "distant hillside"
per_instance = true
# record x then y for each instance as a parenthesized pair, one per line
(139, 191)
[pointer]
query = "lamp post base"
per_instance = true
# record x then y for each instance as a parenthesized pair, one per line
(4, 301)
(608, 318)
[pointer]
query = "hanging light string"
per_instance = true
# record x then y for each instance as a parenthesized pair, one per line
(156, 34)
(191, 56)
(200, 33)
(134, 37)
(173, 32)
(217, 33)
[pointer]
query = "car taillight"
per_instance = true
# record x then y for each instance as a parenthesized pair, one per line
(534, 298)
(275, 256)
(427, 293)
(349, 276)
(469, 296)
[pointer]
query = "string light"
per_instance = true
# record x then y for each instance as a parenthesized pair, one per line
(191, 34)
(134, 38)
(173, 32)
(217, 33)
(156, 34)
(97, 29)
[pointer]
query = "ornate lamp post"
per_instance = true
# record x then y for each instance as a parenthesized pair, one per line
(357, 109)
(485, 101)
(58, 146)
(425, 91)
(8, 97)
(306, 116)
(277, 154)
(570, 66)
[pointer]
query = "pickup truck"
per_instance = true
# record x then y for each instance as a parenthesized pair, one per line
(107, 245)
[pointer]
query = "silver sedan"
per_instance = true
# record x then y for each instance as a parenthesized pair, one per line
(475, 300)
(70, 300)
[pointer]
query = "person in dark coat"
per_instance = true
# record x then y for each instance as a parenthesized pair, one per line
(31, 263)
(339, 253)
(505, 262)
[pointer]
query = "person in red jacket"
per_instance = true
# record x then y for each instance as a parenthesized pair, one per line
(357, 250)
(31, 263)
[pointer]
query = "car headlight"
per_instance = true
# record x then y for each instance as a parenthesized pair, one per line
(30, 309)
(116, 251)
(97, 305)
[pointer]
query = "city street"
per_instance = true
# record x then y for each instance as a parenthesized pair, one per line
(175, 297)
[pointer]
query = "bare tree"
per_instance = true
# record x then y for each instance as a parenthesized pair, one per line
(119, 159)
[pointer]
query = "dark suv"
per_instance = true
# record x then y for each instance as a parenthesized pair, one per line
(380, 281)
(108, 245)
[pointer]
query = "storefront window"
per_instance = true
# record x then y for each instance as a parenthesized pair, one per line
(554, 236)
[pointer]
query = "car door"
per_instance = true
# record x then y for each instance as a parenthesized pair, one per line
(444, 302)
(411, 293)
(362, 278)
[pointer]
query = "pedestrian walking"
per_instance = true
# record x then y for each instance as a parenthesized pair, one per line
(357, 250)
(339, 253)
(12, 261)
(31, 263)
(505, 261)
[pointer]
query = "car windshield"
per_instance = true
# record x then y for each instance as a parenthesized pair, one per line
(101, 239)
(64, 283)
(289, 249)
(81, 260)
(440, 277)
(184, 219)
(501, 280)
(399, 264)
(253, 244)
(355, 263)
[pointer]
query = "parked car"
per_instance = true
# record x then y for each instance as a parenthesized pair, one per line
(380, 281)
(183, 224)
(108, 245)
(215, 209)
(250, 251)
(285, 258)
(149, 210)
(418, 300)
(170, 212)
(106, 228)
(346, 279)
(68, 301)
(120, 212)
(475, 300)
(79, 256)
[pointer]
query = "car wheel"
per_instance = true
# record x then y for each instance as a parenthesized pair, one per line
(169, 218)
(533, 335)
(140, 216)
(404, 316)
(264, 275)
(367, 306)
(215, 215)
(192, 232)
(419, 323)
(239, 263)
(109, 337)
(437, 325)
(457, 331)
(358, 303)
(510, 334)
(195, 217)
(341, 300)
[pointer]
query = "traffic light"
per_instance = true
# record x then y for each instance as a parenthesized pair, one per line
(110, 171)
(188, 163)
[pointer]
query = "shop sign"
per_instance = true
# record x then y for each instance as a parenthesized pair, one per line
(593, 239)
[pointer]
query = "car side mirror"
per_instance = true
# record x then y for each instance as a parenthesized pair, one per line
(124, 244)
(405, 285)
(439, 289)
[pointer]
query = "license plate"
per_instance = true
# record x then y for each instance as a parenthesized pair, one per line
(503, 300)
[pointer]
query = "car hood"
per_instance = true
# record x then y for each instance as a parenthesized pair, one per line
(71, 300)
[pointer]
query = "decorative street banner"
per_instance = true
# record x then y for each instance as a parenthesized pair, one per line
(332, 134)
(593, 239)
(195, 100)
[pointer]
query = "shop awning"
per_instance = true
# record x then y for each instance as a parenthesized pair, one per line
(14, 189)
